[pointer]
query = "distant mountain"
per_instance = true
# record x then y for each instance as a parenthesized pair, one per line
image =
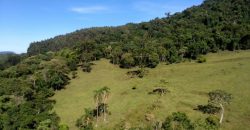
(6, 52)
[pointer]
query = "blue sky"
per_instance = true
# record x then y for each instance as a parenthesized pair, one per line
(25, 21)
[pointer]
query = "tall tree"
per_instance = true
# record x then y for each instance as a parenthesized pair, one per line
(221, 98)
(105, 92)
(97, 99)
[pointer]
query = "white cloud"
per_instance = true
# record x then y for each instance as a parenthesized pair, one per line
(154, 7)
(88, 9)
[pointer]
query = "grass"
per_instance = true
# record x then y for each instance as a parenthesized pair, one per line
(188, 82)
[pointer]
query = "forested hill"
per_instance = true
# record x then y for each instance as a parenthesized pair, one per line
(215, 24)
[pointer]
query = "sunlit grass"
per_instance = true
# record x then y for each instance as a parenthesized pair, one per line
(188, 83)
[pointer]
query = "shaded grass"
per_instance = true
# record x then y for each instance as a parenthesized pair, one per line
(188, 83)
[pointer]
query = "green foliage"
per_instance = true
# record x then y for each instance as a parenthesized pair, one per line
(63, 127)
(160, 90)
(195, 49)
(178, 121)
(153, 60)
(219, 97)
(86, 67)
(212, 26)
(13, 59)
(127, 60)
(74, 74)
(9, 59)
(244, 42)
(30, 116)
(72, 65)
(142, 72)
(201, 59)
(27, 83)
(173, 56)
(102, 108)
(86, 121)
(210, 123)
(209, 109)
(25, 90)
(44, 125)
(137, 73)
(213, 122)
(101, 96)
(57, 80)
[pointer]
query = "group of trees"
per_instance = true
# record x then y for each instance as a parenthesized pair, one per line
(181, 121)
(26, 88)
(9, 59)
(212, 26)
(86, 122)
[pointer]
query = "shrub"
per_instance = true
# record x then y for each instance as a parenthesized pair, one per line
(142, 73)
(86, 67)
(209, 109)
(159, 90)
(63, 127)
(213, 122)
(127, 60)
(74, 74)
(178, 120)
(85, 122)
(210, 123)
(137, 73)
(153, 60)
(72, 65)
(201, 59)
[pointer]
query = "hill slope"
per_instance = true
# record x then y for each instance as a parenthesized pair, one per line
(188, 84)
(221, 24)
(27, 85)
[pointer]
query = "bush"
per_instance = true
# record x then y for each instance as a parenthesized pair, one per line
(63, 127)
(209, 109)
(210, 123)
(178, 120)
(72, 65)
(86, 67)
(86, 121)
(201, 59)
(57, 80)
(127, 60)
(213, 122)
(195, 49)
(153, 60)
(142, 73)
(74, 74)
(160, 90)
(137, 73)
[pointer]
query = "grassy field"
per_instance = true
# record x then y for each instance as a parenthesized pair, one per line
(188, 82)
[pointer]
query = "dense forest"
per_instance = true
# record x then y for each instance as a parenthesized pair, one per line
(28, 81)
(214, 25)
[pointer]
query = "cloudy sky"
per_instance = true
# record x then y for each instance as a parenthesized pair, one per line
(25, 21)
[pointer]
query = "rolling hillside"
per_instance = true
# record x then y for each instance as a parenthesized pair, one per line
(188, 82)
(60, 81)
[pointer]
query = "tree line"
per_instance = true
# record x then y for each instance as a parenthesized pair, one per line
(214, 25)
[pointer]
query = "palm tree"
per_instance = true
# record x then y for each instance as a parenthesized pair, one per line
(105, 92)
(97, 99)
